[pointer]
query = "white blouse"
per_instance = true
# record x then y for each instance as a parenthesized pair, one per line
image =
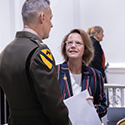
(76, 83)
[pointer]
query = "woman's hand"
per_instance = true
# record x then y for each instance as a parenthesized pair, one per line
(90, 98)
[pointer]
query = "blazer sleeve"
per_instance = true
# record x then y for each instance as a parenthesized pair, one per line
(100, 100)
(48, 89)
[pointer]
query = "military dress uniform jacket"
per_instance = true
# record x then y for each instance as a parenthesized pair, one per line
(97, 61)
(91, 80)
(29, 79)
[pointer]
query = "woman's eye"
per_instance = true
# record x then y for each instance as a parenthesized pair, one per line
(78, 43)
(70, 42)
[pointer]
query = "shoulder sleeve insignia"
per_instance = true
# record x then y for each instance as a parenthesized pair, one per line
(46, 57)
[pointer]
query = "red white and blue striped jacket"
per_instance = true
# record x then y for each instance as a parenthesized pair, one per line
(91, 80)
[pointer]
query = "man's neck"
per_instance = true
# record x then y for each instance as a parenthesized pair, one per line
(28, 29)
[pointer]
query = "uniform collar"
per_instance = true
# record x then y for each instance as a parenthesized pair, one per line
(27, 34)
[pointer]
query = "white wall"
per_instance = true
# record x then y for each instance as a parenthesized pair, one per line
(10, 20)
(69, 14)
(110, 15)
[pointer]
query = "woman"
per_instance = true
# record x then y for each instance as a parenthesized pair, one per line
(98, 62)
(74, 75)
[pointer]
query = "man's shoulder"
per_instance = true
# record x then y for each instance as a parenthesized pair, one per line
(29, 40)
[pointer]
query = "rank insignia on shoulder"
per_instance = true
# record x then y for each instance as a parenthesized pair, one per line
(46, 57)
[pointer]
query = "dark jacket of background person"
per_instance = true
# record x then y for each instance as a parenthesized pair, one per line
(91, 80)
(98, 60)
(31, 87)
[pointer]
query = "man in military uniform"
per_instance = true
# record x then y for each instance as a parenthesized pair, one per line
(27, 72)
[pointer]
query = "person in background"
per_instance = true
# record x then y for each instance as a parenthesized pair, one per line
(28, 73)
(96, 33)
(75, 76)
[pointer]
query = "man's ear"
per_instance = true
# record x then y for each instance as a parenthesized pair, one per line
(42, 17)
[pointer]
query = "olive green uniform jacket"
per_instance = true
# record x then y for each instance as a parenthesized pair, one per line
(29, 80)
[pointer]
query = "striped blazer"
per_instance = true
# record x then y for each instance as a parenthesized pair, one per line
(91, 80)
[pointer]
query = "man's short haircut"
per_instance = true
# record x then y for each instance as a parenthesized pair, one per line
(32, 8)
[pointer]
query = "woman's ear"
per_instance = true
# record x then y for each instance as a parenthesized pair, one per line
(96, 33)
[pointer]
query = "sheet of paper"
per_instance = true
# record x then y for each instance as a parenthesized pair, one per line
(82, 111)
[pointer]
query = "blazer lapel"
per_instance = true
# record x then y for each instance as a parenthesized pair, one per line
(66, 78)
(86, 79)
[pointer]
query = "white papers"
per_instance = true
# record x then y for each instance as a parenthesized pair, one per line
(82, 111)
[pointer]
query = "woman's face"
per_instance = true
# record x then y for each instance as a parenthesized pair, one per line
(100, 36)
(74, 46)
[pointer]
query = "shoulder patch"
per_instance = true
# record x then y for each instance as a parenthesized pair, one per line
(46, 57)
